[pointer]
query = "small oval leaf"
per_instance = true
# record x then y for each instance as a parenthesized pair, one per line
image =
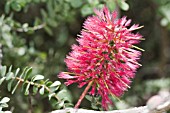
(17, 71)
(4, 105)
(3, 71)
(5, 100)
(27, 89)
(64, 95)
(2, 79)
(38, 77)
(7, 7)
(76, 3)
(56, 83)
(10, 69)
(51, 95)
(9, 85)
(15, 87)
(9, 75)
(27, 73)
(16, 6)
(123, 5)
(42, 90)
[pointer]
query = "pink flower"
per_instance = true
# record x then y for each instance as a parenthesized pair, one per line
(106, 56)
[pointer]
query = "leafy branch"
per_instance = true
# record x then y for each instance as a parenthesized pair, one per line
(27, 81)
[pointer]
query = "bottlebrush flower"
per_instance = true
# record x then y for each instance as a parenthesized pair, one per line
(106, 58)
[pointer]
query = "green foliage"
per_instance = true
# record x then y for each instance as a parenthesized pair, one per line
(27, 81)
(163, 10)
(95, 102)
(5, 34)
(3, 104)
(123, 5)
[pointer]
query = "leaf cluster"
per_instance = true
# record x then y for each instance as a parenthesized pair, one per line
(3, 104)
(163, 11)
(36, 83)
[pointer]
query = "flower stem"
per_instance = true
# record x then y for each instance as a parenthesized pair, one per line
(83, 95)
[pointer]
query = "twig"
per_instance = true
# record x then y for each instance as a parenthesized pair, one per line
(30, 104)
(83, 95)
(32, 28)
(37, 85)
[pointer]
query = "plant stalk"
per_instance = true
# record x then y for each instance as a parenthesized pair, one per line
(83, 95)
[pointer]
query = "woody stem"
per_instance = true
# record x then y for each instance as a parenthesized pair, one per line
(83, 95)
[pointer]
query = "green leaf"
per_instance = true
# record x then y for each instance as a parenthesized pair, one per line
(53, 89)
(37, 77)
(25, 25)
(35, 90)
(93, 2)
(19, 77)
(4, 105)
(10, 69)
(51, 22)
(7, 7)
(123, 5)
(9, 75)
(111, 4)
(54, 86)
(5, 100)
(48, 30)
(94, 106)
(27, 89)
(16, 6)
(3, 71)
(9, 85)
(76, 3)
(64, 95)
(51, 95)
(86, 10)
(17, 71)
(2, 79)
(27, 73)
(30, 31)
(44, 13)
(15, 87)
(47, 82)
(164, 22)
(56, 83)
(37, 21)
(51, 9)
(23, 73)
(61, 104)
(88, 97)
(42, 90)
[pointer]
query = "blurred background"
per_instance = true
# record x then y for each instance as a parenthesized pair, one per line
(39, 33)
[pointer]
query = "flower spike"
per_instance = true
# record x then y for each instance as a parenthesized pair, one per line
(106, 58)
